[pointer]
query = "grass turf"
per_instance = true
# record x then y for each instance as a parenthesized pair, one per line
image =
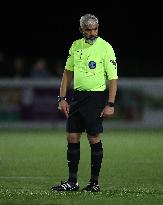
(31, 161)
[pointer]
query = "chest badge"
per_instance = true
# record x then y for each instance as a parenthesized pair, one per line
(92, 64)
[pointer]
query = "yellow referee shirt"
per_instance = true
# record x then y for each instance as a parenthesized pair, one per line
(92, 64)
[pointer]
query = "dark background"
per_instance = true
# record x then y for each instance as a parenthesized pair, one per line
(47, 30)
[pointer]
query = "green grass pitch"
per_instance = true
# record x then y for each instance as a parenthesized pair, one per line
(31, 161)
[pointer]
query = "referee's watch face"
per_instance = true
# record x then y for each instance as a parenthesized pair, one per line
(90, 32)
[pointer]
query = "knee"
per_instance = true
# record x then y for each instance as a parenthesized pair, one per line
(94, 139)
(73, 137)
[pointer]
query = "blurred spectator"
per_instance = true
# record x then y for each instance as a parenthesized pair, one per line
(4, 65)
(59, 67)
(18, 67)
(40, 70)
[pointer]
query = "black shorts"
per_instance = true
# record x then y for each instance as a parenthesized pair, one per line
(85, 110)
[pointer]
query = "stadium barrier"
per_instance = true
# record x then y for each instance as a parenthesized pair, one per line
(31, 103)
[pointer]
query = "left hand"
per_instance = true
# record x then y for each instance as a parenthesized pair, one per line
(107, 111)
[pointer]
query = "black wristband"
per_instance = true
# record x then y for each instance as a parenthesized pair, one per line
(110, 104)
(59, 98)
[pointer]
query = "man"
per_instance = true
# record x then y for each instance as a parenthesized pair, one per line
(91, 62)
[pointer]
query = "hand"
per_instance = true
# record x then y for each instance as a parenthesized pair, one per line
(107, 111)
(64, 107)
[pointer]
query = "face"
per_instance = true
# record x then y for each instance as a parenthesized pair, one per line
(90, 32)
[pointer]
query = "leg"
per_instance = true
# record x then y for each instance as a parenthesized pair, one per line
(93, 139)
(73, 137)
(73, 155)
(96, 156)
(96, 160)
(74, 128)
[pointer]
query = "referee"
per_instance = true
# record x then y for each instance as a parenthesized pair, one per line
(91, 62)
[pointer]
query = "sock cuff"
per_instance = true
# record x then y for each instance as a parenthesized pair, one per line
(97, 146)
(73, 145)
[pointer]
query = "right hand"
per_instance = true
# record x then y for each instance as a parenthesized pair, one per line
(64, 107)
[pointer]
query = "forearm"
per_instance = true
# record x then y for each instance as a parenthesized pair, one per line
(66, 82)
(112, 90)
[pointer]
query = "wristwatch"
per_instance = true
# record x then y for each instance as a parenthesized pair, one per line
(60, 98)
(110, 104)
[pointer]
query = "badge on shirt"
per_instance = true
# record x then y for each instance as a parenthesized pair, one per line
(114, 62)
(92, 64)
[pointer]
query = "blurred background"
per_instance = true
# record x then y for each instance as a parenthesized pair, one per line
(34, 44)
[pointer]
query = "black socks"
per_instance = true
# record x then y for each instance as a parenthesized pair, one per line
(73, 157)
(96, 161)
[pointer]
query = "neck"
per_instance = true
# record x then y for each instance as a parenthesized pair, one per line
(89, 41)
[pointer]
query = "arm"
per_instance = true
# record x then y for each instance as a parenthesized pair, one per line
(112, 90)
(65, 83)
(111, 71)
(108, 110)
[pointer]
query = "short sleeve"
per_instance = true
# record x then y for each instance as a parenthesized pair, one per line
(110, 63)
(70, 60)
